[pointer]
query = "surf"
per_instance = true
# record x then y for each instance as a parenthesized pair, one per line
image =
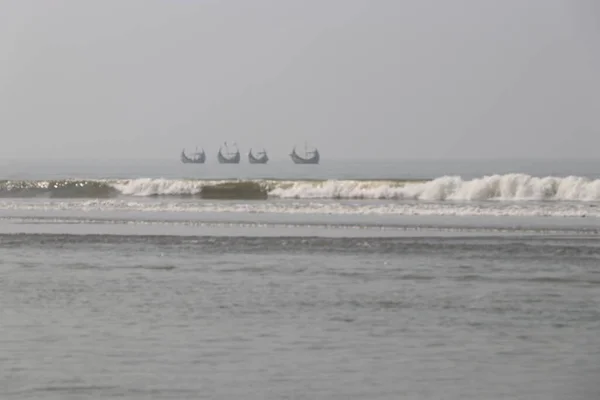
(506, 187)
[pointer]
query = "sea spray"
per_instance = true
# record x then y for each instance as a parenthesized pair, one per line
(508, 187)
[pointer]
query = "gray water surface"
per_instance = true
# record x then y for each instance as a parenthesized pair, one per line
(153, 293)
(138, 317)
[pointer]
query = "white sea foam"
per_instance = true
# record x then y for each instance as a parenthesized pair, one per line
(512, 187)
(315, 207)
(509, 187)
(154, 187)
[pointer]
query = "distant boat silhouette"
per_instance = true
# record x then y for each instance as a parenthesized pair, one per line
(261, 157)
(199, 157)
(229, 158)
(310, 157)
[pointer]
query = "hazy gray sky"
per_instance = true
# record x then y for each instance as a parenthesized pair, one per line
(421, 78)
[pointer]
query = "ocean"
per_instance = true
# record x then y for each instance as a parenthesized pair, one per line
(439, 279)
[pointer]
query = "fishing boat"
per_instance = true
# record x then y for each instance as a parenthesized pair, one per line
(310, 157)
(228, 157)
(260, 158)
(199, 157)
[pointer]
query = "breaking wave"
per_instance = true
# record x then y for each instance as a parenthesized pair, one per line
(509, 187)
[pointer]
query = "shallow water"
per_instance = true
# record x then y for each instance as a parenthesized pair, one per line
(291, 317)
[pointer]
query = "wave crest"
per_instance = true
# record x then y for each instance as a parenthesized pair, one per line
(58, 189)
(509, 187)
(512, 187)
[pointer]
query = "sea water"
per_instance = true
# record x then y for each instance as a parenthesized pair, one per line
(345, 280)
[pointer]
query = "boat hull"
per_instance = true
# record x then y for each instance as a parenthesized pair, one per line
(258, 160)
(232, 160)
(197, 160)
(310, 160)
